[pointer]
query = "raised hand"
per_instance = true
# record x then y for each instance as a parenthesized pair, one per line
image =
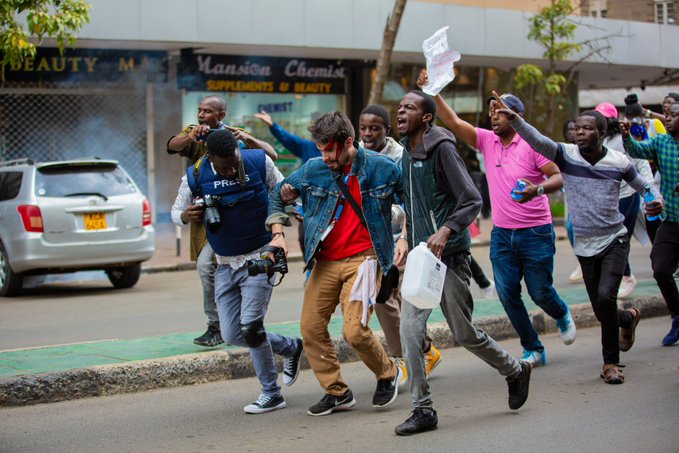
(498, 106)
(422, 79)
(265, 117)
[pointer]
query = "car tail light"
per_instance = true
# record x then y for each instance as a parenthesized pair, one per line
(32, 218)
(146, 213)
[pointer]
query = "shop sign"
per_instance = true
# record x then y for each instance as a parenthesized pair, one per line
(199, 72)
(89, 65)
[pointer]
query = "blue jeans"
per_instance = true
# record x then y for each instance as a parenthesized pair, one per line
(526, 253)
(242, 299)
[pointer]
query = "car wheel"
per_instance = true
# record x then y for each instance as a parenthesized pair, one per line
(10, 281)
(124, 277)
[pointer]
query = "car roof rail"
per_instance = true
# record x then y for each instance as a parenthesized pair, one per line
(11, 163)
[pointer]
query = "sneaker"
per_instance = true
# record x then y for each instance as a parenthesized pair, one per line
(535, 358)
(431, 359)
(331, 403)
(211, 337)
(576, 275)
(291, 365)
(627, 285)
(265, 403)
(401, 364)
(387, 390)
(518, 386)
(566, 326)
(612, 374)
(626, 338)
(488, 292)
(421, 419)
(673, 335)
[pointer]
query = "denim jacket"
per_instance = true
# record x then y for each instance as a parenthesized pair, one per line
(378, 177)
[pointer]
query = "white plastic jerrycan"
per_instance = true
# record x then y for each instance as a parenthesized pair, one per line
(423, 278)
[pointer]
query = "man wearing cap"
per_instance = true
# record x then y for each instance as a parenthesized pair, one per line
(522, 240)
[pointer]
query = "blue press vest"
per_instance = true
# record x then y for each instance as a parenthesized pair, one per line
(243, 209)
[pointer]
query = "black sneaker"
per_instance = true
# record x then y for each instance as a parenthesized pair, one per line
(518, 386)
(291, 365)
(387, 390)
(211, 337)
(421, 419)
(264, 404)
(331, 403)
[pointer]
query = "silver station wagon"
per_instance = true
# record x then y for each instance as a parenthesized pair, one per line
(67, 216)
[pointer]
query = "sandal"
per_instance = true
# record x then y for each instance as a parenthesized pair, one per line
(612, 374)
(626, 338)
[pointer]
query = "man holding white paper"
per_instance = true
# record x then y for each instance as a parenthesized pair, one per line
(441, 201)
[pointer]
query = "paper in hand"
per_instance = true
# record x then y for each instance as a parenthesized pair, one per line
(440, 61)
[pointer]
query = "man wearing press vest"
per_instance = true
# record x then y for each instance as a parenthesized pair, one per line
(228, 191)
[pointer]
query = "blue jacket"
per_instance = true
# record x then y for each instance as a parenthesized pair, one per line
(302, 148)
(378, 177)
(243, 208)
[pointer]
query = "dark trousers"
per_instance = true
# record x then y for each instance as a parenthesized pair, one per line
(629, 207)
(477, 274)
(602, 274)
(664, 260)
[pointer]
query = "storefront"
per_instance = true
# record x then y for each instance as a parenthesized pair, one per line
(292, 90)
(86, 102)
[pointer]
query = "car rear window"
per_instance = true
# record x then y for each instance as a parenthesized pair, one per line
(82, 180)
(10, 183)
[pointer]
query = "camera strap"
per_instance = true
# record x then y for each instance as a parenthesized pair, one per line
(346, 194)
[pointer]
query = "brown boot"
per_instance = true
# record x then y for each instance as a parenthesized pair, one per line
(612, 374)
(626, 339)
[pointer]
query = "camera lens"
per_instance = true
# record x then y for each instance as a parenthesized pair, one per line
(212, 219)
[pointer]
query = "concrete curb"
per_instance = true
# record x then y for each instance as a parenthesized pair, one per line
(219, 365)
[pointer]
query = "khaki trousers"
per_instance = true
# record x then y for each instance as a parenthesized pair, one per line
(330, 284)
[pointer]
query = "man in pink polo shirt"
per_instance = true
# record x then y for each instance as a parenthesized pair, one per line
(522, 240)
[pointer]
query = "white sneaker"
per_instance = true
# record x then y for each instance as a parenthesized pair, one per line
(627, 285)
(576, 275)
(566, 327)
(534, 358)
(488, 292)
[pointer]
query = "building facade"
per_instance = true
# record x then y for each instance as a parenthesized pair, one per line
(662, 12)
(293, 58)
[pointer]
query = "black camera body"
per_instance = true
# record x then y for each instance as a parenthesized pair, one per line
(211, 217)
(266, 266)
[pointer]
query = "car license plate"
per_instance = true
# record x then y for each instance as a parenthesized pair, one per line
(95, 221)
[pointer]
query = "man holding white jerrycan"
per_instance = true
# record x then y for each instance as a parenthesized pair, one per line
(441, 201)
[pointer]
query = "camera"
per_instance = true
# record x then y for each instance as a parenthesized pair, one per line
(266, 266)
(203, 137)
(211, 216)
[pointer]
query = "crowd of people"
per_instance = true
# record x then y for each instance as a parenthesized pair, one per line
(366, 203)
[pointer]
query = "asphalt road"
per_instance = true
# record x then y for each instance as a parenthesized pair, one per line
(569, 409)
(171, 302)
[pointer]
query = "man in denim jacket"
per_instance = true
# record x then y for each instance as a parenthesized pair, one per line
(341, 241)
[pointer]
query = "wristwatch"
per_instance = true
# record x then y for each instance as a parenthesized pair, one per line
(541, 189)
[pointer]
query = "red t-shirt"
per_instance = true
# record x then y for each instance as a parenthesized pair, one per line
(349, 236)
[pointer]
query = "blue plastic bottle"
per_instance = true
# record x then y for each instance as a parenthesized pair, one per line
(519, 187)
(649, 198)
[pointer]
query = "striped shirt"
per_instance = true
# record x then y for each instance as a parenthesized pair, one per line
(663, 149)
(592, 191)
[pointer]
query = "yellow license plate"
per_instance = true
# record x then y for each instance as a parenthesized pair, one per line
(95, 221)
